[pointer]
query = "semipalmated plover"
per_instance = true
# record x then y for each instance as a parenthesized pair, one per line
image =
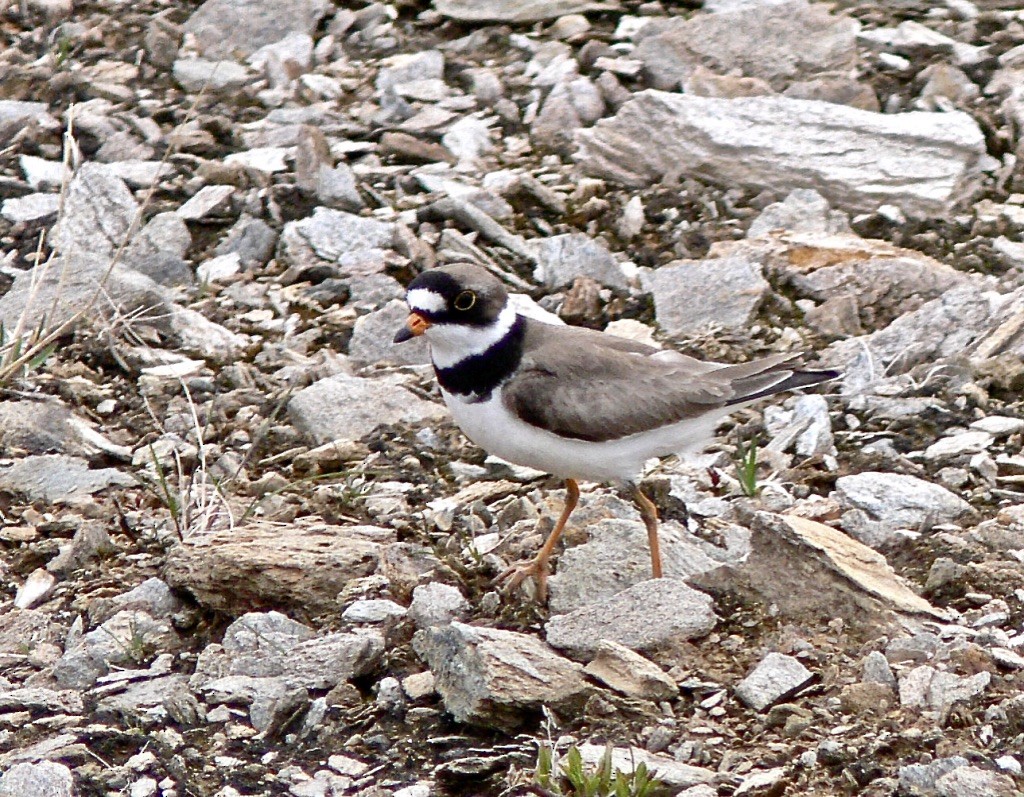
(573, 402)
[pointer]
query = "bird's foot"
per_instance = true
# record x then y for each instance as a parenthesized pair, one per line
(537, 569)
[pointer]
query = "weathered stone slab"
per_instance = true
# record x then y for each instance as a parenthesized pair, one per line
(858, 160)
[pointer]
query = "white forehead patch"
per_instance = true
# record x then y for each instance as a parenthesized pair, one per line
(426, 300)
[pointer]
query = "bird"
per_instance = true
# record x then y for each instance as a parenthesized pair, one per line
(580, 404)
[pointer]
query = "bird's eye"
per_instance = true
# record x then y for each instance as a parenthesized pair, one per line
(465, 301)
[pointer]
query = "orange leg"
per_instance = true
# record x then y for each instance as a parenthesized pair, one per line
(538, 568)
(649, 513)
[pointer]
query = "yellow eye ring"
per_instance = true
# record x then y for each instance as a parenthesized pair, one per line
(465, 301)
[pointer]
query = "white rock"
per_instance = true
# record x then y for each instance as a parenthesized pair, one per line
(219, 268)
(775, 677)
(29, 208)
(372, 611)
(958, 445)
(208, 200)
(999, 425)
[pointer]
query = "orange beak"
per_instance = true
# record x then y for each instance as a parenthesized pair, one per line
(415, 325)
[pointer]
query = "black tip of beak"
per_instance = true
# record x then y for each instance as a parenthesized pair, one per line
(403, 335)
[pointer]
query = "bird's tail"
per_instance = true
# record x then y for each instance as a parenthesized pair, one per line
(775, 374)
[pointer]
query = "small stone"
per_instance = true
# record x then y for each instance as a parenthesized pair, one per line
(630, 673)
(198, 74)
(419, 685)
(958, 445)
(346, 407)
(210, 200)
(998, 425)
(692, 295)
(487, 676)
(437, 604)
(918, 780)
(876, 670)
(866, 698)
(563, 258)
(372, 611)
(30, 208)
(776, 677)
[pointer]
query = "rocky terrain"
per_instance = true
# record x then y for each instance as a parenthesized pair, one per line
(245, 552)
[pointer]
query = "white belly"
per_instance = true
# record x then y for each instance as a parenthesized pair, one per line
(492, 427)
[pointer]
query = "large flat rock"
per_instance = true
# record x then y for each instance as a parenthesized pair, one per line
(264, 564)
(650, 617)
(858, 160)
(488, 676)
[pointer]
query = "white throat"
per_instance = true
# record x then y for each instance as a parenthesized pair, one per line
(450, 344)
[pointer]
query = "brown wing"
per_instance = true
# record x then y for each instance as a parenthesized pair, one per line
(591, 386)
(590, 389)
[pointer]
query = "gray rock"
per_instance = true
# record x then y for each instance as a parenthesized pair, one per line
(141, 703)
(812, 572)
(925, 687)
(691, 295)
(141, 173)
(90, 542)
(409, 68)
(877, 504)
(158, 251)
(969, 781)
(776, 677)
(336, 237)
(958, 445)
(437, 604)
(373, 336)
(514, 10)
(227, 28)
(50, 426)
(270, 645)
(630, 673)
(271, 700)
(337, 187)
(43, 174)
(45, 779)
(208, 201)
(372, 611)
(16, 115)
(917, 648)
(876, 670)
(123, 640)
(930, 160)
(777, 43)
(673, 774)
(30, 208)
(802, 424)
(346, 407)
(955, 323)
(998, 425)
(98, 212)
(57, 478)
(918, 780)
(650, 617)
(253, 240)
(616, 556)
(563, 258)
(39, 699)
(212, 76)
(571, 104)
(487, 676)
(803, 210)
